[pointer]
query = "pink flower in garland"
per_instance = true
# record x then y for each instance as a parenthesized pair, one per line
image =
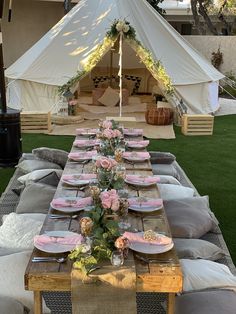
(110, 200)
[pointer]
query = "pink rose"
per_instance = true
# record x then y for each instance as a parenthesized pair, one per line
(107, 124)
(106, 203)
(105, 163)
(115, 205)
(108, 133)
(116, 133)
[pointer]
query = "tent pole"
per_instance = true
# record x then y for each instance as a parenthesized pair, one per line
(120, 72)
(111, 65)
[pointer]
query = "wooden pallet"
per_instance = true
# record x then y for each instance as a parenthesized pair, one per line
(35, 121)
(197, 124)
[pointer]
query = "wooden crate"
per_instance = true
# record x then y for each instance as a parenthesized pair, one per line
(197, 124)
(36, 121)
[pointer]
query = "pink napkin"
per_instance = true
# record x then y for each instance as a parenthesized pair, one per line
(141, 179)
(138, 238)
(82, 176)
(138, 143)
(75, 203)
(133, 131)
(86, 130)
(149, 202)
(84, 143)
(144, 155)
(45, 239)
(82, 155)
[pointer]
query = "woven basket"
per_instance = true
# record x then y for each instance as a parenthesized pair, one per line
(159, 116)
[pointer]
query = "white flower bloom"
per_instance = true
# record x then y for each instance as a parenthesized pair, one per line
(126, 28)
(120, 26)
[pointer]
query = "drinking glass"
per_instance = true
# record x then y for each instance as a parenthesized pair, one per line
(117, 258)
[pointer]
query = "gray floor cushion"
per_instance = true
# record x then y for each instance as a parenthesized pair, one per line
(206, 302)
(57, 156)
(162, 157)
(27, 166)
(166, 169)
(196, 248)
(35, 198)
(188, 217)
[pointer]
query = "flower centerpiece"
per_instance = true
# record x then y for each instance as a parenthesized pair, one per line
(109, 173)
(103, 230)
(109, 141)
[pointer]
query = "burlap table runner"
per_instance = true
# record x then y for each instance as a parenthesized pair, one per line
(106, 290)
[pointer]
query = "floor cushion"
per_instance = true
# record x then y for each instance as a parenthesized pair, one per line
(173, 191)
(27, 166)
(9, 305)
(162, 157)
(196, 248)
(188, 218)
(168, 180)
(12, 270)
(206, 302)
(37, 175)
(17, 231)
(56, 156)
(203, 274)
(35, 198)
(165, 169)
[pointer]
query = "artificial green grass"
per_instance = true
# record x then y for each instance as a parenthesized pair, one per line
(209, 162)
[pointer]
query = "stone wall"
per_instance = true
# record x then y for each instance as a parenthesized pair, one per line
(208, 44)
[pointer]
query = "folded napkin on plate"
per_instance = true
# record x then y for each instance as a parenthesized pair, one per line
(136, 155)
(75, 203)
(45, 239)
(82, 176)
(138, 238)
(141, 179)
(133, 131)
(83, 155)
(86, 130)
(138, 143)
(148, 202)
(84, 143)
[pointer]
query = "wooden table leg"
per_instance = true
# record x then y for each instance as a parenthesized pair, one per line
(171, 303)
(37, 302)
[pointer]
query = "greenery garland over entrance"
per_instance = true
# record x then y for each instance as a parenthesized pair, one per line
(129, 34)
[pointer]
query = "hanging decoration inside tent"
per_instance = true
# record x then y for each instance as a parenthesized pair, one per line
(128, 34)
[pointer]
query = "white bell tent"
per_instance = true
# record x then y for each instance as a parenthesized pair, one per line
(79, 41)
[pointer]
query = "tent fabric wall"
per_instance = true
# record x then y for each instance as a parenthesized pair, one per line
(56, 57)
(31, 96)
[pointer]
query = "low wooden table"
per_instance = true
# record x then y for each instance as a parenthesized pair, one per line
(151, 277)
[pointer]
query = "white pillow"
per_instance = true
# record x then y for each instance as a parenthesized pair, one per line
(18, 230)
(173, 191)
(203, 274)
(12, 270)
(168, 180)
(37, 175)
(110, 97)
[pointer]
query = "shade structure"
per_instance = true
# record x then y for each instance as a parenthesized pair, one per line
(56, 57)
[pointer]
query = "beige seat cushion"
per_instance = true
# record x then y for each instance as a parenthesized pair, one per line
(110, 97)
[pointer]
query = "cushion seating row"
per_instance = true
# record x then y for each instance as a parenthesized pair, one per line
(186, 234)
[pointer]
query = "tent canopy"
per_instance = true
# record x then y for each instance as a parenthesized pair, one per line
(58, 55)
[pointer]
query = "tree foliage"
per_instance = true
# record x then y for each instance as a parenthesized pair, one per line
(207, 8)
(155, 5)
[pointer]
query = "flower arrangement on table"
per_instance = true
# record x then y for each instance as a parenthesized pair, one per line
(109, 173)
(100, 230)
(109, 124)
(110, 140)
